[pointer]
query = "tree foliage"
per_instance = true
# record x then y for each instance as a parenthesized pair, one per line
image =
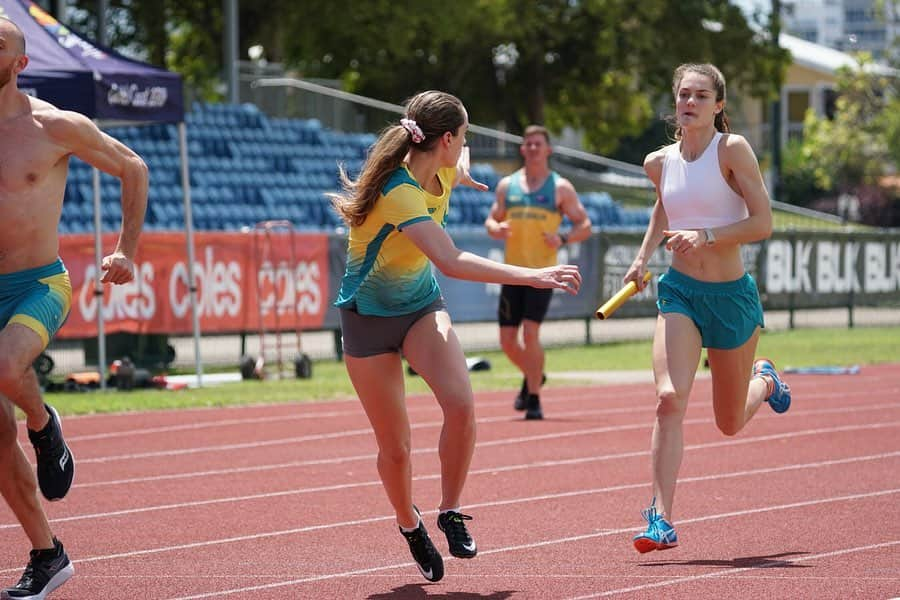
(598, 66)
(853, 148)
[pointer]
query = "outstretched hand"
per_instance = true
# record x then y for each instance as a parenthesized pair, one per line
(465, 178)
(563, 277)
(117, 268)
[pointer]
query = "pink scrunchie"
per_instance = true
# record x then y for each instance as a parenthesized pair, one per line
(414, 130)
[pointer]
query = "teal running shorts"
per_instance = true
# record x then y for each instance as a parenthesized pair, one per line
(726, 313)
(38, 298)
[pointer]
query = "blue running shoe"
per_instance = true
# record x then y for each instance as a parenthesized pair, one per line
(660, 534)
(780, 398)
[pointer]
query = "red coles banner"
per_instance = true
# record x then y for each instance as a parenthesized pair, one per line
(240, 278)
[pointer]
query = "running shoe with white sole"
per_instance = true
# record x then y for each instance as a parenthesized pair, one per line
(46, 571)
(427, 558)
(453, 525)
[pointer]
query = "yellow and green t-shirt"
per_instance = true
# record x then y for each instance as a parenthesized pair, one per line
(530, 215)
(387, 275)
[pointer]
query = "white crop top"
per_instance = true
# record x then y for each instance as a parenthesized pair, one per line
(694, 194)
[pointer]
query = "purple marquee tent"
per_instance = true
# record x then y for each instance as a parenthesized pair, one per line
(74, 74)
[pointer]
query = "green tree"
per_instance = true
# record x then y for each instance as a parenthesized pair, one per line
(598, 66)
(182, 35)
(852, 149)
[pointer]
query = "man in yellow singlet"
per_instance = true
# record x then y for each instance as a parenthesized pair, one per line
(527, 213)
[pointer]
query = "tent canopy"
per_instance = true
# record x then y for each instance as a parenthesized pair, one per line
(72, 73)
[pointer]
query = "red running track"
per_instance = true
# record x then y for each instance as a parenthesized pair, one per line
(276, 502)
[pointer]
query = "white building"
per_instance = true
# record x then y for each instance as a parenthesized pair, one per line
(809, 83)
(848, 25)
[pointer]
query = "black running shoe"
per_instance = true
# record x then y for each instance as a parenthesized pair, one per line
(522, 398)
(458, 539)
(427, 558)
(533, 410)
(46, 571)
(55, 465)
(519, 404)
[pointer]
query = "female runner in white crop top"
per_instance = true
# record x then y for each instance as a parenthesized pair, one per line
(710, 200)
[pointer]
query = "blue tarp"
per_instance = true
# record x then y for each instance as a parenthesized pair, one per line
(72, 73)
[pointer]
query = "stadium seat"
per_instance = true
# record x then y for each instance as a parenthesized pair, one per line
(246, 167)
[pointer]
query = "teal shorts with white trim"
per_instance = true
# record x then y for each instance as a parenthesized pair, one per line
(38, 298)
(725, 312)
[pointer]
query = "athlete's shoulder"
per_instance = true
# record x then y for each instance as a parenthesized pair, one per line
(513, 177)
(562, 184)
(734, 141)
(41, 107)
(653, 162)
(49, 115)
(736, 148)
(658, 156)
(400, 179)
(65, 127)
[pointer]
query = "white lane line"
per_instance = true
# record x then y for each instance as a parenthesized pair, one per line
(300, 415)
(543, 543)
(298, 464)
(493, 470)
(657, 584)
(156, 577)
(368, 431)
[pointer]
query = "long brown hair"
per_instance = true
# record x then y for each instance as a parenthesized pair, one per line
(434, 113)
(715, 75)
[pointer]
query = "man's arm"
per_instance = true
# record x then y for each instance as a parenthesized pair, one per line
(83, 139)
(495, 223)
(571, 207)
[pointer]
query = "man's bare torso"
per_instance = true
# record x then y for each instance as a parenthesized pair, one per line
(33, 170)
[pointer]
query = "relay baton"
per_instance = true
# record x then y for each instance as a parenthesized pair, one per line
(620, 297)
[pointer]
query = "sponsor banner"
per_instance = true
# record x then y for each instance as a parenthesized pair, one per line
(806, 270)
(792, 270)
(239, 277)
(244, 282)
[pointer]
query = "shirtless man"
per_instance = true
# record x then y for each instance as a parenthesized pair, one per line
(36, 140)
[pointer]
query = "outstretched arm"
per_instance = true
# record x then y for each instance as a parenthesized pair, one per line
(434, 242)
(83, 139)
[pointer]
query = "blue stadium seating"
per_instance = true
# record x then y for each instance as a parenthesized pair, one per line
(246, 167)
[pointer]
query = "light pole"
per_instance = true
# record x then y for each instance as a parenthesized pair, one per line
(230, 48)
(775, 107)
(504, 57)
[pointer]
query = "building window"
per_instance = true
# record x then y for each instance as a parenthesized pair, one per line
(797, 104)
(830, 101)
